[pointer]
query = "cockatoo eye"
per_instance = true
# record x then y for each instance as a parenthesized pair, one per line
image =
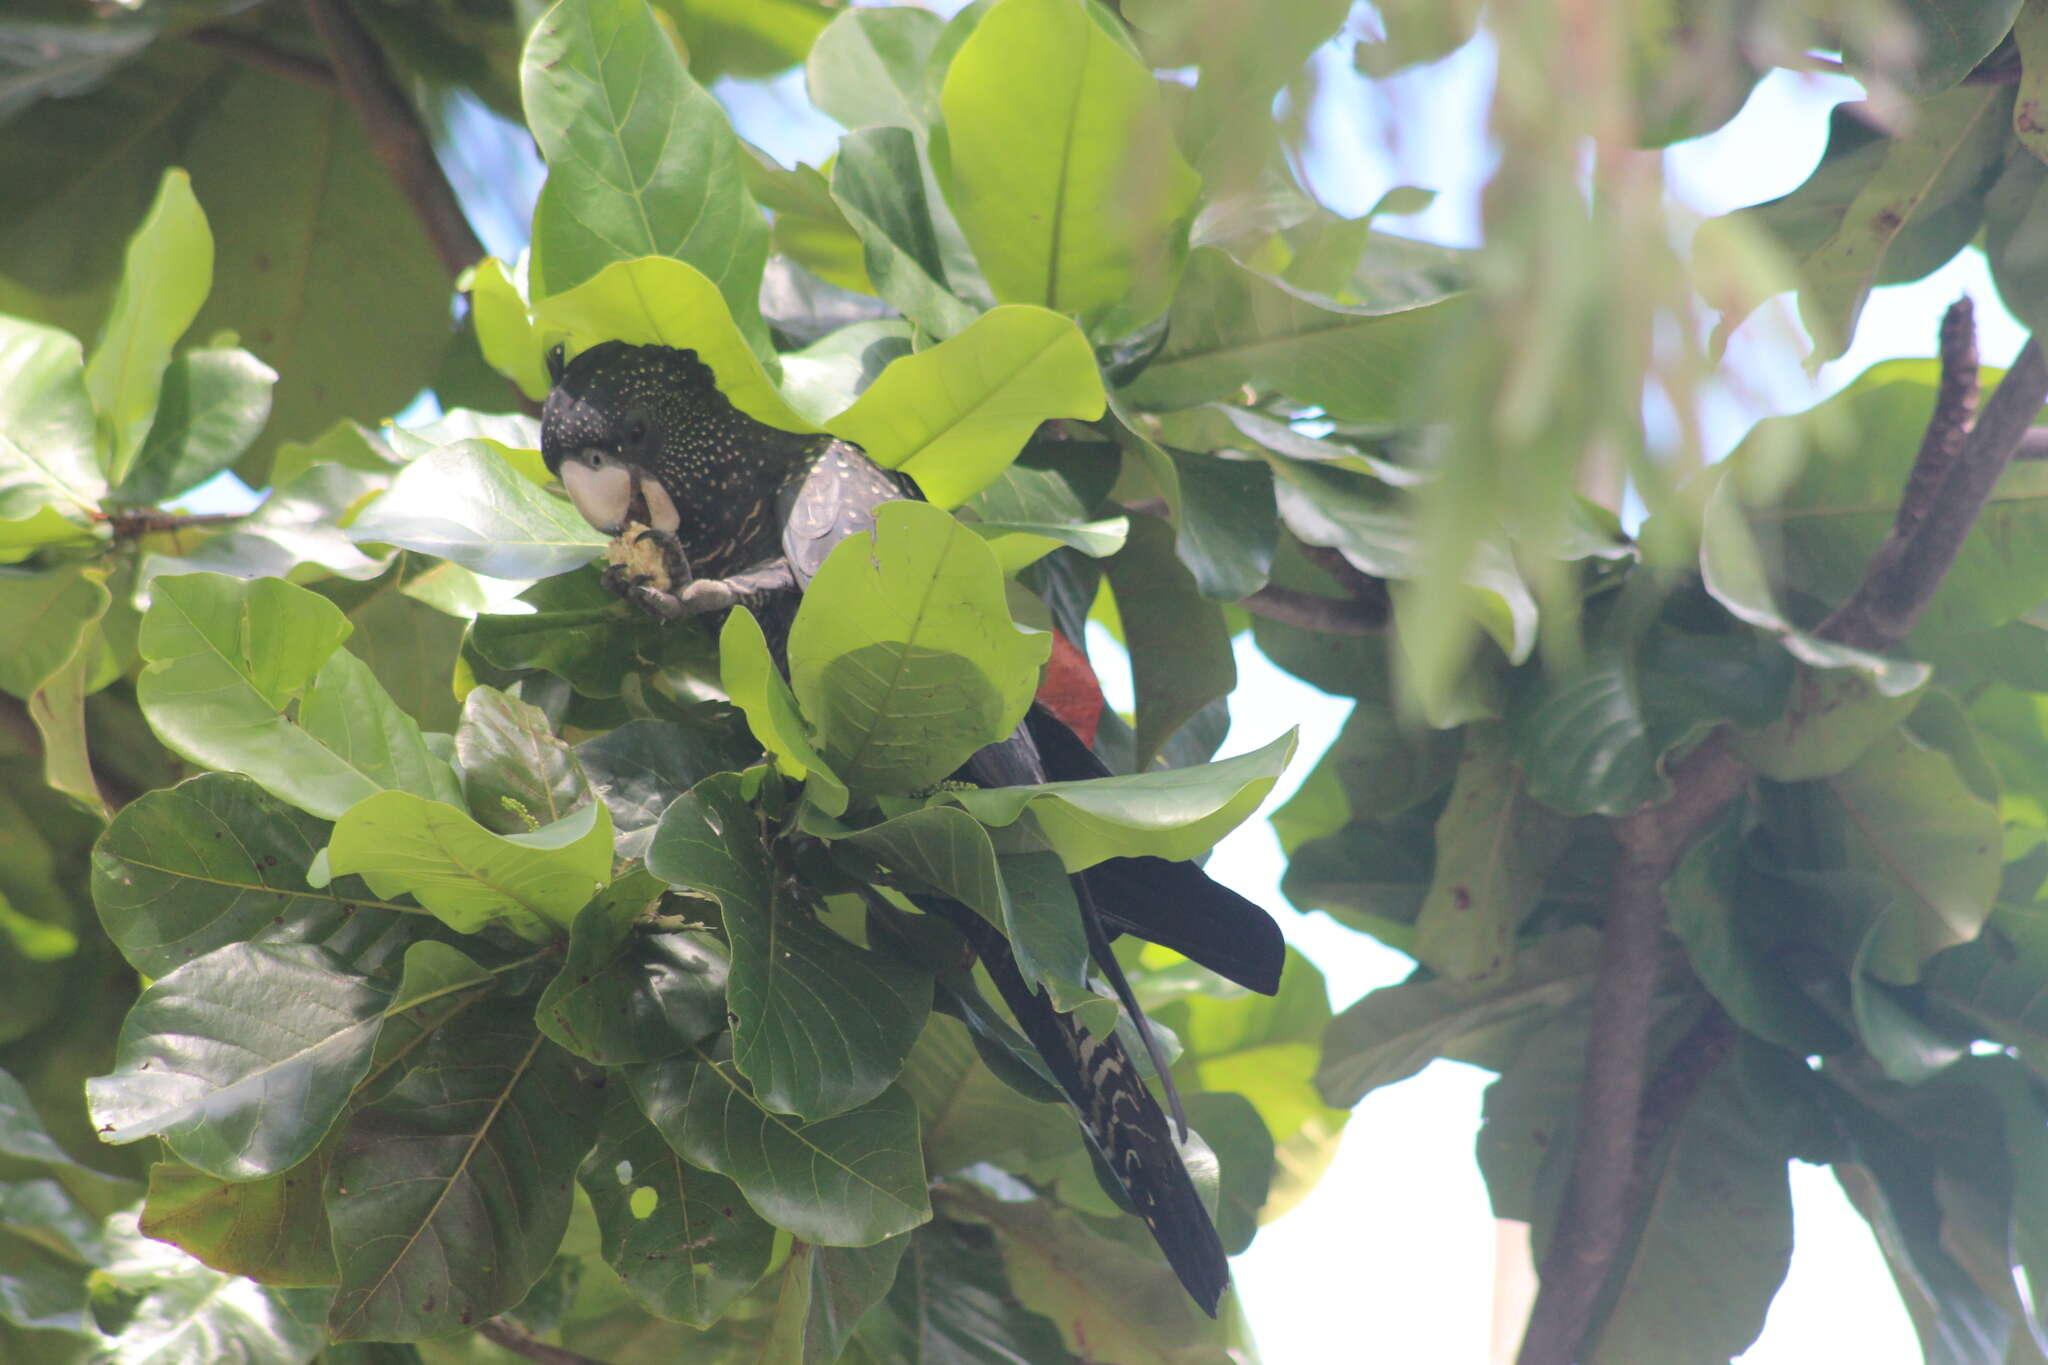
(637, 433)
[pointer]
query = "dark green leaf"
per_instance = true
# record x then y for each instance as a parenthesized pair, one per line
(272, 1230)
(1178, 644)
(576, 631)
(241, 1060)
(644, 765)
(821, 1026)
(825, 1291)
(699, 1246)
(625, 994)
(641, 161)
(212, 407)
(516, 774)
(878, 182)
(449, 1195)
(850, 1180)
(952, 1305)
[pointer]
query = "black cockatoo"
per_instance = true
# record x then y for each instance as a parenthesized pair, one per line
(710, 508)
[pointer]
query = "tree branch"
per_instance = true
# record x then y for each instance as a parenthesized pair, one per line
(1312, 611)
(261, 55)
(520, 1342)
(1615, 1118)
(395, 133)
(1955, 408)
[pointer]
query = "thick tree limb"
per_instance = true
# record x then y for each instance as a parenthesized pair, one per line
(520, 1342)
(1615, 1117)
(1312, 611)
(395, 133)
(1955, 408)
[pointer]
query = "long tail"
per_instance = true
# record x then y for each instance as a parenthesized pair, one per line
(1118, 1114)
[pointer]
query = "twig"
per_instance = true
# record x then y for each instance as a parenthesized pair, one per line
(1312, 611)
(395, 133)
(520, 1342)
(148, 521)
(1955, 407)
(261, 55)
(1907, 569)
(1614, 1117)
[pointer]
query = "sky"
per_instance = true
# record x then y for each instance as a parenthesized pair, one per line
(1393, 1258)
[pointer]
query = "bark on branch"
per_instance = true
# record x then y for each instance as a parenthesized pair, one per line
(395, 132)
(1958, 465)
(520, 1342)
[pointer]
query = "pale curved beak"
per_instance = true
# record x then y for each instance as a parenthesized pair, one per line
(603, 496)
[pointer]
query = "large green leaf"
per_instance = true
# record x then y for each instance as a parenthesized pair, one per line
(1393, 1032)
(273, 1230)
(212, 861)
(824, 1292)
(757, 687)
(644, 765)
(868, 67)
(878, 182)
(1061, 166)
(626, 994)
(658, 301)
(1167, 813)
(48, 452)
(45, 617)
(532, 883)
(1944, 40)
(1231, 326)
(1494, 848)
(449, 1195)
(516, 774)
(226, 658)
(468, 504)
(819, 1026)
(168, 274)
(211, 408)
(1178, 643)
(850, 1180)
(1992, 984)
(184, 1311)
(641, 160)
(1897, 844)
(241, 1060)
(903, 655)
(953, 417)
(698, 1247)
(295, 534)
(951, 1305)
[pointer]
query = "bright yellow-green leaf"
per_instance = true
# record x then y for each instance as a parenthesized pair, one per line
(755, 686)
(503, 331)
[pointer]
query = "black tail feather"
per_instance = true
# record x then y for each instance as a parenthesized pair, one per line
(1118, 1114)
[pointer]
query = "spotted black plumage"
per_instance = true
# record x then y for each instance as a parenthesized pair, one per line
(650, 449)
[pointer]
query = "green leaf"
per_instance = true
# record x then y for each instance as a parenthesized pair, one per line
(1993, 983)
(951, 1305)
(504, 332)
(1743, 946)
(1174, 813)
(1394, 1032)
(272, 1230)
(2029, 116)
(468, 504)
(469, 877)
(212, 861)
(211, 409)
(626, 994)
(184, 1311)
(1061, 165)
(948, 851)
(822, 1026)
(1231, 327)
(1883, 210)
(1715, 1240)
(1494, 848)
(868, 67)
(295, 534)
(757, 687)
(1228, 524)
(168, 274)
(449, 1195)
(1178, 643)
(1108, 1299)
(641, 160)
(903, 655)
(825, 1291)
(1945, 39)
(644, 765)
(516, 775)
(48, 452)
(579, 632)
(953, 417)
(656, 301)
(241, 1060)
(45, 617)
(878, 182)
(1898, 838)
(225, 660)
(697, 1249)
(854, 1179)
